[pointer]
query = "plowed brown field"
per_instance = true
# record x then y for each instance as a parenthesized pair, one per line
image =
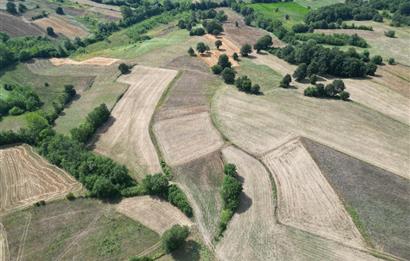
(61, 26)
(126, 136)
(306, 199)
(26, 178)
(153, 213)
(15, 26)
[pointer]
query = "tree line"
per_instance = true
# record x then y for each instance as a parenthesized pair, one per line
(17, 100)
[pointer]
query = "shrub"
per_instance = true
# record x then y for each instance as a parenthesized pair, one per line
(216, 69)
(11, 8)
(377, 59)
(300, 28)
(230, 169)
(191, 51)
(124, 68)
(300, 72)
(263, 43)
(16, 111)
(371, 68)
(392, 61)
(50, 31)
(174, 238)
(202, 47)
(143, 258)
(313, 79)
(218, 43)
(156, 185)
(344, 95)
(177, 198)
(256, 89)
(246, 50)
(197, 31)
(286, 80)
(70, 196)
(243, 84)
(390, 33)
(235, 56)
(228, 75)
(231, 189)
(223, 61)
(59, 10)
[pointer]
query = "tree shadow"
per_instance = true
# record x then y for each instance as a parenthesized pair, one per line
(103, 129)
(245, 201)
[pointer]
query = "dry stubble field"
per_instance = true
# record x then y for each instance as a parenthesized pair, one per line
(126, 136)
(27, 178)
(61, 26)
(153, 213)
(305, 199)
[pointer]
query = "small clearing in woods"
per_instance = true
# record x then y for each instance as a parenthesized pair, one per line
(92, 61)
(153, 213)
(126, 136)
(61, 26)
(305, 198)
(26, 178)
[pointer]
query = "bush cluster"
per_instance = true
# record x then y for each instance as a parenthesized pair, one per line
(18, 100)
(336, 89)
(173, 238)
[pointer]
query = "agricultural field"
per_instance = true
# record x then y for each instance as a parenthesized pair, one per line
(281, 10)
(126, 136)
(26, 178)
(15, 26)
(61, 26)
(317, 3)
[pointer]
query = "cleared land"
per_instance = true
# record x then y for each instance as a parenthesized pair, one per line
(185, 138)
(379, 43)
(103, 61)
(306, 200)
(27, 178)
(261, 123)
(228, 48)
(153, 213)
(107, 10)
(83, 229)
(379, 197)
(15, 26)
(126, 136)
(62, 26)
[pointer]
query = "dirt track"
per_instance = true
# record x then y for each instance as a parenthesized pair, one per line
(61, 26)
(126, 136)
(306, 199)
(103, 61)
(27, 178)
(153, 213)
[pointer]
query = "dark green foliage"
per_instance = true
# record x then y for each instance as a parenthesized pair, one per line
(371, 68)
(218, 43)
(235, 56)
(202, 47)
(59, 10)
(11, 7)
(300, 72)
(19, 100)
(216, 69)
(156, 185)
(344, 95)
(22, 8)
(177, 198)
(50, 31)
(213, 27)
(390, 33)
(230, 169)
(144, 258)
(224, 62)
(95, 119)
(334, 39)
(124, 68)
(246, 50)
(231, 189)
(174, 238)
(336, 89)
(300, 28)
(285, 82)
(197, 31)
(377, 59)
(70, 196)
(391, 61)
(264, 43)
(16, 111)
(191, 51)
(313, 79)
(243, 84)
(228, 75)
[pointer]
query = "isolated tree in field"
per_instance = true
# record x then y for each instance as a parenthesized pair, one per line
(223, 61)
(392, 61)
(377, 59)
(390, 33)
(286, 80)
(50, 31)
(124, 69)
(217, 69)
(246, 50)
(236, 24)
(344, 95)
(59, 10)
(11, 8)
(191, 51)
(263, 43)
(202, 47)
(218, 43)
(243, 84)
(235, 57)
(255, 89)
(174, 238)
(300, 72)
(228, 75)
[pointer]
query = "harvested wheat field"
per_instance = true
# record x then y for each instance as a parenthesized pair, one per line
(27, 178)
(126, 136)
(103, 61)
(261, 123)
(185, 138)
(15, 26)
(3, 244)
(61, 26)
(306, 200)
(153, 213)
(228, 48)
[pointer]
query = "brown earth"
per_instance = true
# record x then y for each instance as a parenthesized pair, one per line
(126, 136)
(27, 178)
(228, 48)
(61, 26)
(14, 26)
(103, 61)
(306, 200)
(153, 213)
(107, 10)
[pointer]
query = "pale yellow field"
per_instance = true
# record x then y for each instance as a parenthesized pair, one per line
(153, 213)
(126, 136)
(26, 178)
(92, 61)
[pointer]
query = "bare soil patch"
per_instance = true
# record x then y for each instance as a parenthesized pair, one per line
(185, 138)
(306, 200)
(380, 198)
(186, 62)
(61, 26)
(27, 178)
(14, 26)
(126, 136)
(153, 213)
(228, 48)
(103, 61)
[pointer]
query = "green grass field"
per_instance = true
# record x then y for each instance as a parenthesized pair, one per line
(295, 11)
(314, 4)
